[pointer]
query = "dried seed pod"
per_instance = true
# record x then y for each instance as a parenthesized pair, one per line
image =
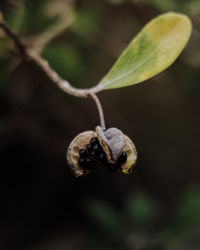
(114, 142)
(79, 142)
(110, 147)
(131, 153)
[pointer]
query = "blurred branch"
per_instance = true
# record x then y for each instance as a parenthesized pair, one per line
(32, 55)
(44, 38)
(65, 19)
(43, 64)
(17, 42)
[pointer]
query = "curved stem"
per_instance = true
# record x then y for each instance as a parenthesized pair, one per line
(53, 76)
(33, 56)
(100, 109)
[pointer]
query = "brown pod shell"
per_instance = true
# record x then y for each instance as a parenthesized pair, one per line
(80, 141)
(131, 152)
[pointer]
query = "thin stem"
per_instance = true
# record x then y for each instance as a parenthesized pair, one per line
(43, 64)
(53, 76)
(17, 42)
(33, 56)
(100, 109)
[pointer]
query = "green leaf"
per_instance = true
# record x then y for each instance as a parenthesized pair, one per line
(154, 49)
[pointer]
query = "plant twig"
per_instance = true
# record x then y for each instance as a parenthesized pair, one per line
(53, 76)
(33, 56)
(100, 109)
(47, 36)
(41, 40)
(17, 42)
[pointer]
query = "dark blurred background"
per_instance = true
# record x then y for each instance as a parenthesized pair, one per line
(42, 206)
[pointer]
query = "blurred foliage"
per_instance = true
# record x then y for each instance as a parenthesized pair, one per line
(105, 217)
(4, 44)
(87, 21)
(188, 211)
(141, 211)
(16, 18)
(43, 207)
(66, 60)
(191, 6)
(140, 216)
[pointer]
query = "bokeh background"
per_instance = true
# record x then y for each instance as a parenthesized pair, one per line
(42, 206)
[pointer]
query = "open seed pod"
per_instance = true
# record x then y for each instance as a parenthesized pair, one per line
(80, 141)
(114, 142)
(110, 147)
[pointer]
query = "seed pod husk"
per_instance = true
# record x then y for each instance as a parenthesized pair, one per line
(131, 152)
(114, 144)
(79, 142)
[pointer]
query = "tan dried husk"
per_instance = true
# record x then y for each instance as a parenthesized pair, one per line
(131, 152)
(80, 141)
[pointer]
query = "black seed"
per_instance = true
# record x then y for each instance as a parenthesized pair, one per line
(81, 162)
(88, 161)
(93, 154)
(83, 152)
(112, 167)
(97, 148)
(89, 148)
(90, 164)
(122, 159)
(102, 157)
(94, 141)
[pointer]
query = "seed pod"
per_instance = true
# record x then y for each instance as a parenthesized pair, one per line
(79, 142)
(114, 142)
(110, 147)
(131, 152)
